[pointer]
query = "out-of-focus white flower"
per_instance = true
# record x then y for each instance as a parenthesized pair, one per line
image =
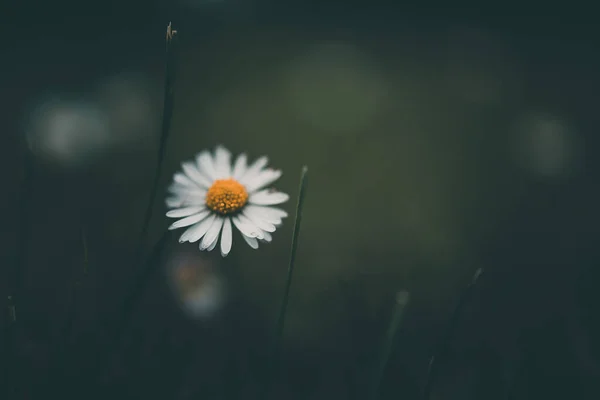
(196, 285)
(76, 131)
(211, 194)
(68, 132)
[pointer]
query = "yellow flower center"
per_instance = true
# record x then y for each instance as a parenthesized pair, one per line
(226, 196)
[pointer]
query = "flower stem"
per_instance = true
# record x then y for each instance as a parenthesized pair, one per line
(274, 356)
(402, 299)
(147, 268)
(444, 344)
(166, 125)
(126, 313)
(142, 281)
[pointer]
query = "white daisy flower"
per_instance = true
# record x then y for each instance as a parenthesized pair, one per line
(211, 194)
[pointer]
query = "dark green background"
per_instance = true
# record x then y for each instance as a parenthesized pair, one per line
(408, 120)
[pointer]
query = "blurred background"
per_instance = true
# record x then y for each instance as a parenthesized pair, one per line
(438, 142)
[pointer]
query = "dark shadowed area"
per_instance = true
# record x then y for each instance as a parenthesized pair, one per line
(437, 144)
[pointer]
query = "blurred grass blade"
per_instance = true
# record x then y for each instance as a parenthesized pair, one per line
(149, 267)
(448, 334)
(104, 356)
(140, 284)
(274, 356)
(402, 299)
(168, 103)
(124, 318)
(146, 273)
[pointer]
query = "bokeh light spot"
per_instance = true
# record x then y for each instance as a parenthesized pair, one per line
(196, 285)
(547, 146)
(70, 133)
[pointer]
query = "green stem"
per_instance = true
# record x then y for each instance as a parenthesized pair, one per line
(168, 103)
(140, 284)
(402, 299)
(146, 274)
(288, 284)
(444, 344)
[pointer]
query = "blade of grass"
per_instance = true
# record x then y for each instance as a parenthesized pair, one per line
(98, 375)
(125, 317)
(139, 285)
(142, 281)
(402, 299)
(447, 336)
(149, 267)
(274, 356)
(12, 367)
(165, 129)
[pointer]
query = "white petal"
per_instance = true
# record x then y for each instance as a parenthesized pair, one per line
(254, 169)
(177, 187)
(258, 221)
(252, 242)
(240, 167)
(174, 202)
(212, 234)
(268, 198)
(270, 214)
(189, 200)
(185, 191)
(192, 219)
(261, 180)
(255, 229)
(184, 180)
(247, 229)
(267, 237)
(184, 212)
(191, 170)
(226, 237)
(206, 165)
(222, 162)
(195, 233)
(213, 245)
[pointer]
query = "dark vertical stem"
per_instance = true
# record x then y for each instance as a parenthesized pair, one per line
(288, 284)
(448, 334)
(12, 367)
(142, 281)
(401, 302)
(165, 128)
(106, 355)
(139, 285)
